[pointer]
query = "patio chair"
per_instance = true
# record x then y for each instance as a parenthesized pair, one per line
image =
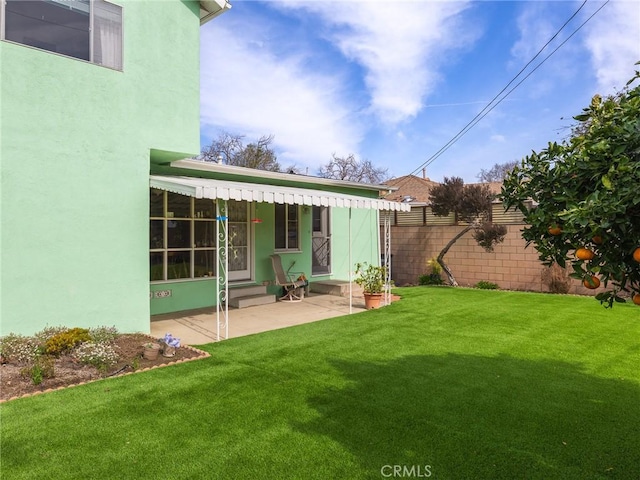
(293, 283)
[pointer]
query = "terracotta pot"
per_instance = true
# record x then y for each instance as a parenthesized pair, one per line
(372, 300)
(151, 352)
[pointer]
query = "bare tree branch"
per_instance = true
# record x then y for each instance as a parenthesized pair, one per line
(497, 173)
(349, 168)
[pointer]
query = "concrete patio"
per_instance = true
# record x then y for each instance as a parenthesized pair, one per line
(197, 327)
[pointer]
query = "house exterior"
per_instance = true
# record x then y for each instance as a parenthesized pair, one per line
(419, 235)
(94, 118)
(319, 227)
(84, 115)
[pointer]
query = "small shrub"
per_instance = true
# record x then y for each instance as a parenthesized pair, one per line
(430, 279)
(19, 349)
(483, 285)
(46, 333)
(103, 334)
(436, 268)
(66, 341)
(100, 355)
(42, 367)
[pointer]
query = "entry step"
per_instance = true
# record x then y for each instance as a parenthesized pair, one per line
(251, 300)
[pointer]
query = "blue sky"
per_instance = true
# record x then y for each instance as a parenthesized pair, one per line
(394, 81)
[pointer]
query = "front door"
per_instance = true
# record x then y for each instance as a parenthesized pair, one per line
(239, 241)
(321, 242)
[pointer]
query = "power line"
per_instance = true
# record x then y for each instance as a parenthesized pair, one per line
(493, 103)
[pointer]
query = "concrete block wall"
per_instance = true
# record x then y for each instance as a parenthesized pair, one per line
(510, 265)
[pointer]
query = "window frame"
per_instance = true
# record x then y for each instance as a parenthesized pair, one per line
(287, 248)
(194, 217)
(118, 64)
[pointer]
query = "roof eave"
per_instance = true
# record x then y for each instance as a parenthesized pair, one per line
(191, 164)
(210, 9)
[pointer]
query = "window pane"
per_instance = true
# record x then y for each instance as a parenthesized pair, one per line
(178, 206)
(293, 235)
(156, 234)
(237, 211)
(178, 234)
(281, 226)
(156, 203)
(56, 25)
(238, 235)
(205, 234)
(237, 258)
(204, 208)
(178, 265)
(204, 263)
(156, 265)
(317, 219)
(292, 227)
(107, 34)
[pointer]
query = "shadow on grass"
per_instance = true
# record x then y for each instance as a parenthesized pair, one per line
(469, 417)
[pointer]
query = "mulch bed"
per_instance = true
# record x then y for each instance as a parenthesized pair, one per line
(68, 372)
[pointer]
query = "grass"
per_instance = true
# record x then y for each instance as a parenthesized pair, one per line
(472, 384)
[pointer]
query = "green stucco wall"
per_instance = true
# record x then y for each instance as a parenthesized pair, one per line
(76, 145)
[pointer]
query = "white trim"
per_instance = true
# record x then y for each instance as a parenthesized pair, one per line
(200, 165)
(210, 9)
(252, 192)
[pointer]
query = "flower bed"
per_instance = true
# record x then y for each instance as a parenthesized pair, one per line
(52, 359)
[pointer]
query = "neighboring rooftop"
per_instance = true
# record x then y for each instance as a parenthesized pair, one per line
(416, 190)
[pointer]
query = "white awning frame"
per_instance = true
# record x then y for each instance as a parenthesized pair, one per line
(253, 192)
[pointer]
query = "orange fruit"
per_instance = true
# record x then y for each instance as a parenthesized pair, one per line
(636, 299)
(555, 230)
(591, 282)
(597, 239)
(584, 254)
(636, 254)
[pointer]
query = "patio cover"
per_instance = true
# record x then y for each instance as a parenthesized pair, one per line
(254, 192)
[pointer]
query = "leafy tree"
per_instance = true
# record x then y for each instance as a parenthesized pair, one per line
(348, 168)
(471, 204)
(230, 149)
(497, 173)
(580, 198)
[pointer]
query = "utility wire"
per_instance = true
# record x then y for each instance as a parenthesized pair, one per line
(493, 103)
(490, 107)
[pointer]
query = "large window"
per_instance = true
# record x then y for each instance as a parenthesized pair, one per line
(90, 30)
(182, 237)
(287, 227)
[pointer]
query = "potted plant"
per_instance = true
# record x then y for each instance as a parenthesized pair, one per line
(150, 350)
(169, 345)
(371, 278)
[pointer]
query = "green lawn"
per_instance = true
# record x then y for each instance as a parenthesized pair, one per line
(451, 383)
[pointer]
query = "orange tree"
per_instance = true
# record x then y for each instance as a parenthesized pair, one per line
(581, 198)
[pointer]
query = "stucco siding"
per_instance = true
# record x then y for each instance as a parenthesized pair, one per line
(75, 150)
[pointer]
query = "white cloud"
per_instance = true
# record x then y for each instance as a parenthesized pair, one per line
(400, 45)
(613, 40)
(246, 89)
(538, 23)
(498, 138)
